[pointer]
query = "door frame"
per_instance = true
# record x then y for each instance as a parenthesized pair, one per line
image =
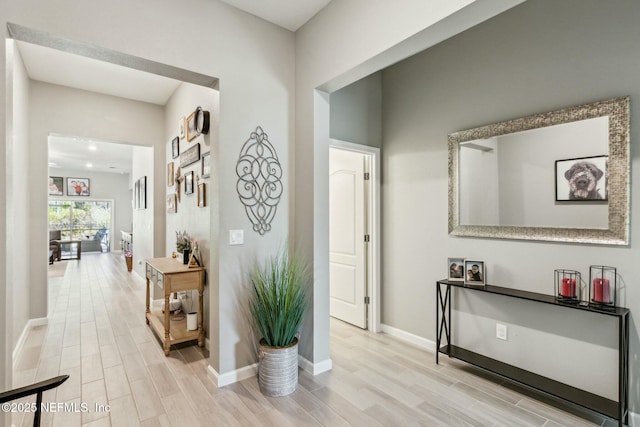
(373, 209)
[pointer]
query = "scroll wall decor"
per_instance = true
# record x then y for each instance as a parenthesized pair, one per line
(259, 180)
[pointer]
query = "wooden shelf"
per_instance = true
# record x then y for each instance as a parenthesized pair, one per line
(177, 329)
(172, 276)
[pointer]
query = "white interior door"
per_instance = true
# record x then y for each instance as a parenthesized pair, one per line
(347, 228)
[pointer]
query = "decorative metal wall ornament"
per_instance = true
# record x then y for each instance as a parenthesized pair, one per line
(259, 180)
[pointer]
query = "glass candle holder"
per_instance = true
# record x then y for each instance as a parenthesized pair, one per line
(602, 286)
(567, 285)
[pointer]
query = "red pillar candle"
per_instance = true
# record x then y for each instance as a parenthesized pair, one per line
(601, 290)
(568, 288)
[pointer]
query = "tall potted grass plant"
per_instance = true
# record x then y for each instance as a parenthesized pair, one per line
(278, 306)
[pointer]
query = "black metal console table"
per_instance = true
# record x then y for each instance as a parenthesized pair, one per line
(614, 409)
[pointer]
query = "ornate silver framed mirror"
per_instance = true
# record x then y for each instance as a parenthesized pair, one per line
(560, 176)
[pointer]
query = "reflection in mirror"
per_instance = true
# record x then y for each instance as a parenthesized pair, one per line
(511, 179)
(560, 176)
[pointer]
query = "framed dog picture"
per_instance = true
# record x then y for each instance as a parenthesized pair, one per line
(582, 179)
(474, 272)
(456, 269)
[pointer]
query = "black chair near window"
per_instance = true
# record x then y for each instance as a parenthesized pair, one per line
(54, 245)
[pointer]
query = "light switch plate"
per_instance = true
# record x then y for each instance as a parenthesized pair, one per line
(501, 331)
(236, 237)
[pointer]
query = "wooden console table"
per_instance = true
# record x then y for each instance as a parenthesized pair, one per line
(614, 409)
(174, 276)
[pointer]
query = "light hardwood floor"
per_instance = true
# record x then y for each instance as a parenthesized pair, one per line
(96, 333)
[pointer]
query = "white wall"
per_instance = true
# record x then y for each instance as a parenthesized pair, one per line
(145, 238)
(104, 186)
(540, 56)
(189, 216)
(66, 111)
(254, 61)
(527, 161)
(479, 182)
(19, 271)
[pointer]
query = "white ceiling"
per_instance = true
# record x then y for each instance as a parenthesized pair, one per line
(66, 69)
(289, 14)
(66, 152)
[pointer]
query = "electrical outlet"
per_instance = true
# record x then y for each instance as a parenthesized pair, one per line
(501, 331)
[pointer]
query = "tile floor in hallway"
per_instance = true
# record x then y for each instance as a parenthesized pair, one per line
(96, 333)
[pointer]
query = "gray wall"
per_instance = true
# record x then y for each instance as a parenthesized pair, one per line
(540, 56)
(338, 46)
(356, 112)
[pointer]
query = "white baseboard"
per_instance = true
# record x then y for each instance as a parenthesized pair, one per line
(31, 323)
(409, 338)
(252, 371)
(634, 419)
(233, 376)
(315, 368)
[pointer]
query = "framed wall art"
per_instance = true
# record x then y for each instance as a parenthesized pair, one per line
(171, 203)
(136, 194)
(582, 179)
(175, 147)
(188, 182)
(181, 128)
(190, 156)
(170, 174)
(78, 187)
(475, 273)
(191, 126)
(202, 197)
(206, 166)
(141, 186)
(55, 186)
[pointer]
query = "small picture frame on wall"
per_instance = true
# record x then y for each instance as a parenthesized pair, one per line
(170, 175)
(206, 166)
(55, 186)
(181, 127)
(171, 203)
(142, 192)
(456, 269)
(474, 272)
(188, 182)
(175, 147)
(78, 187)
(202, 197)
(190, 156)
(191, 126)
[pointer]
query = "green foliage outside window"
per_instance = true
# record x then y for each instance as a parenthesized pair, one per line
(80, 220)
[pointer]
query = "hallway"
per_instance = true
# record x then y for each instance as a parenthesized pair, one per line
(98, 336)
